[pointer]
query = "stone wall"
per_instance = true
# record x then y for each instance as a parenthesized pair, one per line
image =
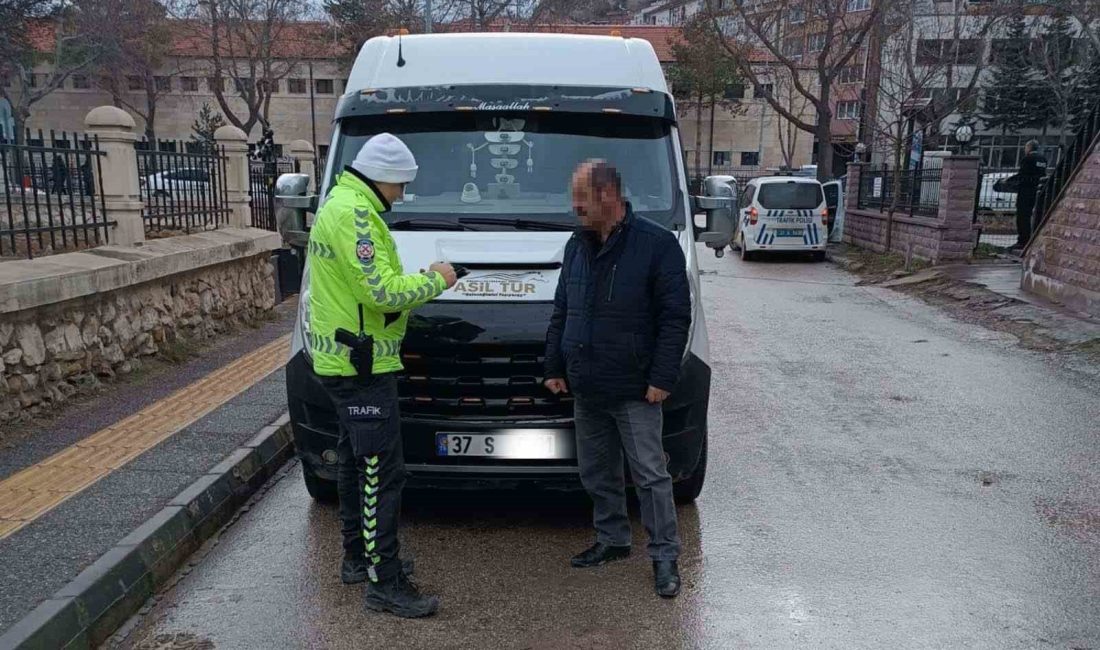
(1063, 261)
(51, 348)
(947, 237)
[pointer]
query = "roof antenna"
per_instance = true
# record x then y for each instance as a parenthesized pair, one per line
(400, 56)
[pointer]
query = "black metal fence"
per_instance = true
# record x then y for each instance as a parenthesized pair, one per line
(51, 195)
(1050, 190)
(994, 212)
(261, 185)
(915, 192)
(182, 187)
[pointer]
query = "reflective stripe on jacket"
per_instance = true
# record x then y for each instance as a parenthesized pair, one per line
(353, 269)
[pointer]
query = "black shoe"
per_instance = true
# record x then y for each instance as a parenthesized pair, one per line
(600, 554)
(401, 597)
(354, 569)
(666, 578)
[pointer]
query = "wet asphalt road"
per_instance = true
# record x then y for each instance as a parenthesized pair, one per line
(880, 476)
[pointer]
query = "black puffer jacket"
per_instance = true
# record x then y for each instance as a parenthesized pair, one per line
(622, 312)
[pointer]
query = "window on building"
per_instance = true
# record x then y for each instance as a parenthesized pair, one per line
(324, 86)
(930, 51)
(734, 91)
(269, 86)
(721, 158)
(296, 86)
(750, 158)
(189, 84)
(243, 85)
(81, 82)
(1004, 50)
(763, 90)
(851, 74)
(164, 84)
(859, 5)
(815, 42)
(796, 15)
(32, 80)
(216, 83)
(343, 85)
(792, 46)
(967, 51)
(847, 110)
(134, 82)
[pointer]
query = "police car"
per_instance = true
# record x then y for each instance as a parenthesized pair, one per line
(782, 213)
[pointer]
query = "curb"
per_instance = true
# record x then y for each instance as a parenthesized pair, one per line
(85, 612)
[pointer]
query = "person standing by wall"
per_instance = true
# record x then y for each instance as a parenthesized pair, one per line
(1033, 168)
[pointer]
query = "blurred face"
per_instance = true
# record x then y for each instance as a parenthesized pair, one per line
(596, 208)
(392, 192)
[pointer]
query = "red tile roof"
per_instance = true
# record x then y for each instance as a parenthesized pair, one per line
(318, 40)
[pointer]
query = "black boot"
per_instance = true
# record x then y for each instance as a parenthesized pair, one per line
(666, 578)
(354, 568)
(600, 554)
(401, 597)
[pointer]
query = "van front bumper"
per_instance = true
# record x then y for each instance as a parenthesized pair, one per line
(316, 434)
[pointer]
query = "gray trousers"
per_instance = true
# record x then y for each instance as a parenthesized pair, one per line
(604, 432)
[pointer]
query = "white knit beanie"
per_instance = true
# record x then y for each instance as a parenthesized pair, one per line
(385, 159)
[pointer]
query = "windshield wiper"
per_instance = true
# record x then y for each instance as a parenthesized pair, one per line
(427, 224)
(519, 224)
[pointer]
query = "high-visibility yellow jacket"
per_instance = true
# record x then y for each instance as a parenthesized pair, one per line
(354, 269)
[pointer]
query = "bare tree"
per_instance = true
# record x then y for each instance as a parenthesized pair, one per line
(359, 20)
(1085, 12)
(833, 32)
(136, 66)
(703, 72)
(483, 14)
(253, 45)
(782, 87)
(53, 31)
(931, 67)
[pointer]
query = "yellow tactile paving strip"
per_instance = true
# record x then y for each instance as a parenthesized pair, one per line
(38, 489)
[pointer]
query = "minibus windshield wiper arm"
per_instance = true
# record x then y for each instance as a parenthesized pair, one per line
(519, 224)
(427, 224)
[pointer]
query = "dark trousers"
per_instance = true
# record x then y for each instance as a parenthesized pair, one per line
(604, 432)
(371, 473)
(1025, 206)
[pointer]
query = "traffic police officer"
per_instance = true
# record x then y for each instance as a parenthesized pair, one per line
(359, 299)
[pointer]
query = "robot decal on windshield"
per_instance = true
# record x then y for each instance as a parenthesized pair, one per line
(504, 143)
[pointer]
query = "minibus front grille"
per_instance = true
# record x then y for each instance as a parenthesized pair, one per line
(493, 381)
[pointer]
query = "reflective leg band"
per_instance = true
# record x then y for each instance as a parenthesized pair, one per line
(370, 514)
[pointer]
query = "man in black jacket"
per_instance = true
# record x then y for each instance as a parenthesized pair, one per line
(1032, 169)
(616, 340)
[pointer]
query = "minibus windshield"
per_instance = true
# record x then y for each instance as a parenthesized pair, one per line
(512, 170)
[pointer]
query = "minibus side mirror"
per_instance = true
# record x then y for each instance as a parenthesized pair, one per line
(719, 202)
(292, 203)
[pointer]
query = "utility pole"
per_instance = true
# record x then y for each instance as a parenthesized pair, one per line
(427, 16)
(313, 117)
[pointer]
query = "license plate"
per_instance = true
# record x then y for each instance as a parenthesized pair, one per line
(788, 232)
(504, 445)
